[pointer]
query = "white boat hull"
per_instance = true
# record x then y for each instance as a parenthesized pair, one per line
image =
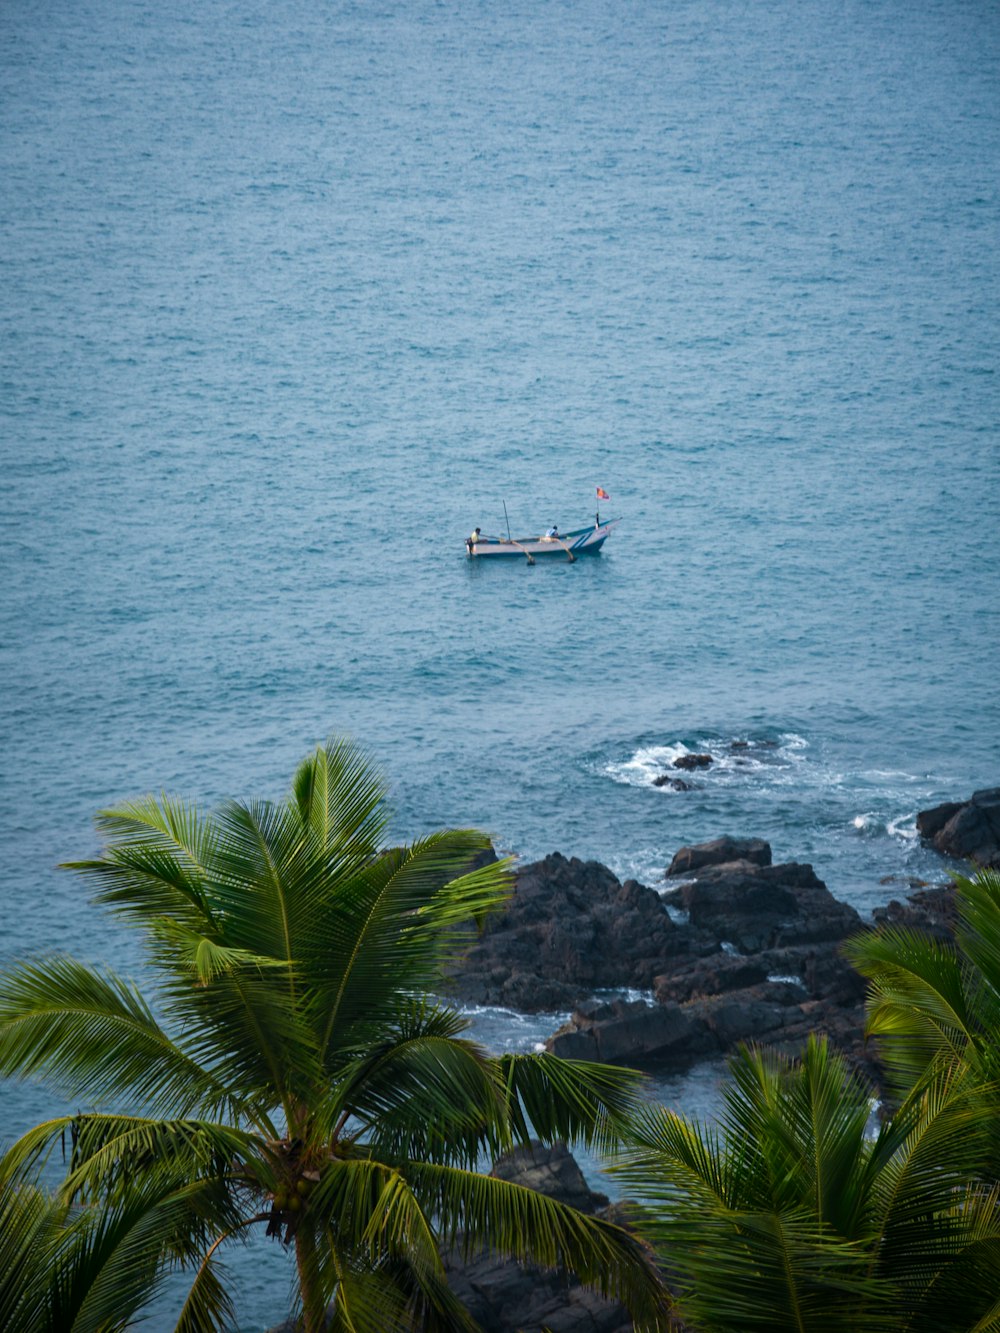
(583, 541)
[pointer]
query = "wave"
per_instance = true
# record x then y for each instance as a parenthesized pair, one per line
(733, 759)
(874, 824)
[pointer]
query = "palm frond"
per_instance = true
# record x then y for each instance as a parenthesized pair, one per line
(918, 1001)
(110, 1151)
(115, 1257)
(97, 1038)
(30, 1225)
(204, 958)
(248, 1028)
(156, 861)
(383, 928)
(262, 854)
(94, 1269)
(341, 796)
(572, 1100)
(474, 1211)
(426, 1094)
(977, 901)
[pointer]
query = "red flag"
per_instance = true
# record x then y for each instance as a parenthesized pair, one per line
(602, 495)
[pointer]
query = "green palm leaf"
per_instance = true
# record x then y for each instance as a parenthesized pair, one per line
(791, 1216)
(479, 1211)
(289, 1070)
(341, 798)
(96, 1033)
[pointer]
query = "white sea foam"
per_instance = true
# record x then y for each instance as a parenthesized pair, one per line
(868, 823)
(904, 827)
(515, 1016)
(901, 827)
(645, 764)
(628, 993)
(733, 759)
(646, 864)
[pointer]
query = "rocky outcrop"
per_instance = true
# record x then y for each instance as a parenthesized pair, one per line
(708, 1006)
(504, 1296)
(931, 909)
(756, 907)
(757, 958)
(968, 830)
(631, 1032)
(570, 928)
(718, 852)
(692, 761)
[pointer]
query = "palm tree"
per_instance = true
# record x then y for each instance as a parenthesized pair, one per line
(293, 1073)
(793, 1215)
(90, 1269)
(935, 1005)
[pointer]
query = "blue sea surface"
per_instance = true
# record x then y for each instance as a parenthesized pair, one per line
(295, 295)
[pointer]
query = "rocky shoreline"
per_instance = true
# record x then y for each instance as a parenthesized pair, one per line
(737, 949)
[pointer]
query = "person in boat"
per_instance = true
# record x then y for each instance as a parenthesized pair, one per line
(552, 534)
(473, 539)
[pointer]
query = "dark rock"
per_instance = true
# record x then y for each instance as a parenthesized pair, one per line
(785, 995)
(718, 852)
(747, 1017)
(710, 976)
(931, 822)
(931, 910)
(675, 784)
(552, 1171)
(690, 761)
(636, 1033)
(763, 907)
(969, 831)
(504, 1296)
(569, 929)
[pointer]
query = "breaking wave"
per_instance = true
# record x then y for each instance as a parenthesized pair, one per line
(734, 760)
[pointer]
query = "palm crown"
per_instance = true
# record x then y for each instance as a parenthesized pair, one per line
(935, 1004)
(293, 1071)
(795, 1216)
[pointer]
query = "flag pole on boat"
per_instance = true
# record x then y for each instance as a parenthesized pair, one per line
(507, 521)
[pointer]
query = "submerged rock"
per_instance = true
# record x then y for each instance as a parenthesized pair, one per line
(693, 761)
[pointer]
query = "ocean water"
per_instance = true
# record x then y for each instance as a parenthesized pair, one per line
(295, 295)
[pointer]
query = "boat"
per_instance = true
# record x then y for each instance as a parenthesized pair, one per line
(581, 541)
